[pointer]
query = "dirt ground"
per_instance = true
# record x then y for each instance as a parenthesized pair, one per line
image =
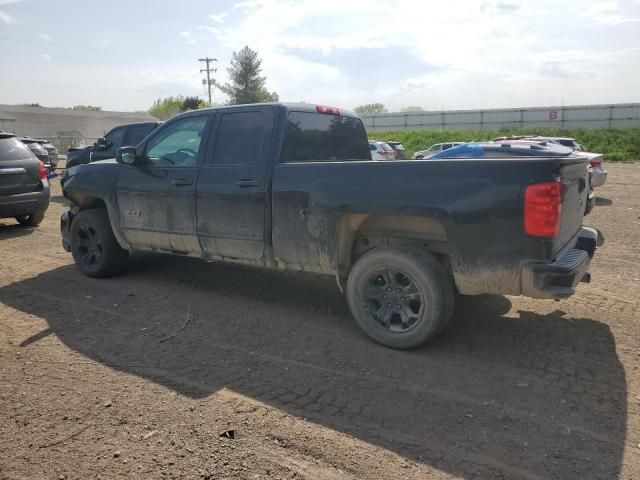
(140, 376)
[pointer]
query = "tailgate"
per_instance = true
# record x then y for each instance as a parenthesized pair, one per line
(19, 176)
(575, 182)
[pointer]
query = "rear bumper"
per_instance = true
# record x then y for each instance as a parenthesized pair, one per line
(598, 177)
(25, 203)
(559, 278)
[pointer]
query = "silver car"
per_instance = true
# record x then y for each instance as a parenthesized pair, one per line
(436, 148)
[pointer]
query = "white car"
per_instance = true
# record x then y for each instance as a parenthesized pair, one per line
(598, 173)
(433, 149)
(381, 151)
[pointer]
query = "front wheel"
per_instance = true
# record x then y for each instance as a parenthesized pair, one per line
(400, 297)
(93, 245)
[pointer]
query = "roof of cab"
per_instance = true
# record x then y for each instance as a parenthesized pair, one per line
(293, 107)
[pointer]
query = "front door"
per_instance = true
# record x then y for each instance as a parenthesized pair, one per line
(156, 197)
(232, 186)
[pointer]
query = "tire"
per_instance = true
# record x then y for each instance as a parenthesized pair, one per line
(419, 304)
(31, 219)
(93, 245)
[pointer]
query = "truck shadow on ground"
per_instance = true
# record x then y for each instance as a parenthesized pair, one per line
(59, 199)
(500, 394)
(603, 202)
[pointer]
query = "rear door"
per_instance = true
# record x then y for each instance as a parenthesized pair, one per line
(232, 186)
(156, 199)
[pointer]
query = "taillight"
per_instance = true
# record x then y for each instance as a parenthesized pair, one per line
(595, 163)
(328, 110)
(542, 208)
(41, 170)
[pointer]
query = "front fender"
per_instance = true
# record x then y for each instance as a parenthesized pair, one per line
(94, 186)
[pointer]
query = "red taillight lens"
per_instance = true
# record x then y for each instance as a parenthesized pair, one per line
(542, 207)
(595, 163)
(328, 110)
(41, 170)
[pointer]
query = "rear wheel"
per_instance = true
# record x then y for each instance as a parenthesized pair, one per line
(31, 219)
(93, 245)
(400, 297)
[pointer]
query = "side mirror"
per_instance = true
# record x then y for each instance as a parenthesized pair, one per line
(101, 144)
(126, 155)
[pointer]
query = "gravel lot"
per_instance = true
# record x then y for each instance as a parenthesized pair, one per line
(140, 376)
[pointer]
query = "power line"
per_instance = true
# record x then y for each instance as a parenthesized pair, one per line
(44, 85)
(95, 49)
(208, 60)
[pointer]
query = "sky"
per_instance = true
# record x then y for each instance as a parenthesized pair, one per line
(454, 54)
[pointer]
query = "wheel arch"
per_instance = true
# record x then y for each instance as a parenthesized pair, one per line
(88, 202)
(359, 233)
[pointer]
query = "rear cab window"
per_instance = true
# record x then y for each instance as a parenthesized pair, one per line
(318, 137)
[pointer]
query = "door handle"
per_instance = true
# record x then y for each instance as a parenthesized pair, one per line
(182, 182)
(248, 183)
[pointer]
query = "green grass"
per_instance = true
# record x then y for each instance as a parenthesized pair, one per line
(619, 144)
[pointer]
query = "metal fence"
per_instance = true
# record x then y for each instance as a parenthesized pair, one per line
(583, 116)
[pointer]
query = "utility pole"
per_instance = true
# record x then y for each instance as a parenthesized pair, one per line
(208, 60)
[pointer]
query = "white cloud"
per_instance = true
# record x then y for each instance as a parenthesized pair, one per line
(45, 36)
(8, 2)
(6, 18)
(218, 18)
(46, 56)
(609, 13)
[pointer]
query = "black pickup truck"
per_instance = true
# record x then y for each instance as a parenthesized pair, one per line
(105, 147)
(293, 187)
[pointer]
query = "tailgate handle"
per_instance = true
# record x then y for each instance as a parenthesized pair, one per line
(11, 171)
(247, 183)
(182, 182)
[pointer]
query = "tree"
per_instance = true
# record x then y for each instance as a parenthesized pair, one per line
(412, 108)
(88, 108)
(165, 108)
(191, 103)
(370, 108)
(246, 85)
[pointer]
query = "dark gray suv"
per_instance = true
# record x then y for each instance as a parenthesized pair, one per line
(24, 188)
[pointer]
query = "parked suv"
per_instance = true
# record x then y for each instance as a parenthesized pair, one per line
(398, 148)
(38, 150)
(52, 151)
(381, 151)
(105, 147)
(24, 188)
